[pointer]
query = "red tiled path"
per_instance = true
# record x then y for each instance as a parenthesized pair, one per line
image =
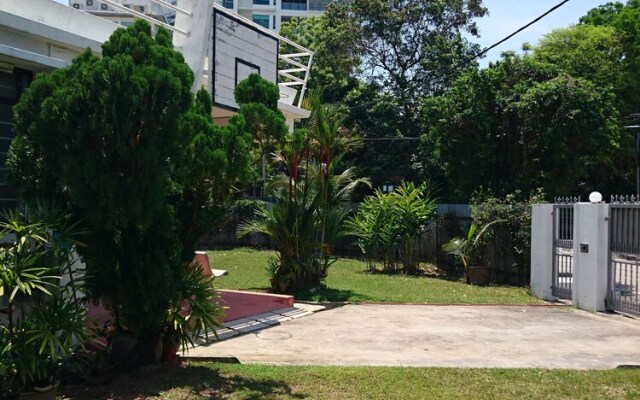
(238, 305)
(246, 304)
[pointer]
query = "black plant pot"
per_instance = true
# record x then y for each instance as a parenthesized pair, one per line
(44, 393)
(480, 276)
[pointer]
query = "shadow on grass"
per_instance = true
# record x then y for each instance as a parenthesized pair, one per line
(323, 293)
(320, 293)
(187, 381)
(433, 273)
(262, 289)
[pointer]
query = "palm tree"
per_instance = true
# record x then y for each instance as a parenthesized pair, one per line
(310, 201)
(331, 141)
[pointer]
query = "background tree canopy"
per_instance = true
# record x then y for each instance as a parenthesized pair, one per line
(380, 58)
(550, 119)
(520, 124)
(625, 20)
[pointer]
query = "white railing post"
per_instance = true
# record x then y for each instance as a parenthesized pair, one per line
(542, 251)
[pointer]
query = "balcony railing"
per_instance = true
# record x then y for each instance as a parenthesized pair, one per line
(294, 64)
(164, 4)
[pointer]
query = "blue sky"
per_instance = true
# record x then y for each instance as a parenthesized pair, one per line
(506, 16)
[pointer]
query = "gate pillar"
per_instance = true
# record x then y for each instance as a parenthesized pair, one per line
(542, 251)
(591, 254)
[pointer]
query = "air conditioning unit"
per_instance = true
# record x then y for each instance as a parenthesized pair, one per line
(89, 2)
(76, 6)
(104, 7)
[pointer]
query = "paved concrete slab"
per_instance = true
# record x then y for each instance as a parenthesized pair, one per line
(442, 336)
(270, 318)
(245, 325)
(293, 312)
(258, 322)
(223, 334)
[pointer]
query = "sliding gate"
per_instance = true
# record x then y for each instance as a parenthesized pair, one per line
(624, 255)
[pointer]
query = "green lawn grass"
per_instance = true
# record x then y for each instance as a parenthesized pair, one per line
(235, 381)
(348, 281)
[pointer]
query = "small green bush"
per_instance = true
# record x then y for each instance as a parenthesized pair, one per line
(508, 243)
(394, 222)
(244, 209)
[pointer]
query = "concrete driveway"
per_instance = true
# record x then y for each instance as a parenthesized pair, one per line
(442, 336)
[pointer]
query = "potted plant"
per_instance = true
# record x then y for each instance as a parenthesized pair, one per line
(44, 323)
(470, 251)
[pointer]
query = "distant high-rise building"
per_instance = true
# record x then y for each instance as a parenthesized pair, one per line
(123, 17)
(268, 13)
(272, 13)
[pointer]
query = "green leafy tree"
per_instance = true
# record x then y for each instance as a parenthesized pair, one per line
(258, 100)
(334, 63)
(330, 142)
(520, 124)
(625, 20)
(407, 47)
(414, 208)
(584, 51)
(380, 58)
(121, 143)
(386, 158)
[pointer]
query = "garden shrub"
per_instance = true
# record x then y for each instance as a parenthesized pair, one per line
(508, 243)
(393, 222)
(310, 199)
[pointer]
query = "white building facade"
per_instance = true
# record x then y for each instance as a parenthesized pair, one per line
(272, 13)
(221, 47)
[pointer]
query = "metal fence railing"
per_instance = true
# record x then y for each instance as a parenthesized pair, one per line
(624, 254)
(563, 265)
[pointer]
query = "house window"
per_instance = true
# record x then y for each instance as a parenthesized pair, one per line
(294, 5)
(13, 81)
(318, 5)
(260, 19)
(261, 2)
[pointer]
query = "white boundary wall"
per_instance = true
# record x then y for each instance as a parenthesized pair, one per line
(542, 251)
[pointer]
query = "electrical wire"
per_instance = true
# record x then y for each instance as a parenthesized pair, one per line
(450, 72)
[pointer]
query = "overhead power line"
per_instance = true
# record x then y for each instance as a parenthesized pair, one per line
(487, 49)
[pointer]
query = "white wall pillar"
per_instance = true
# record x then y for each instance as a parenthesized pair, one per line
(590, 256)
(542, 251)
(195, 44)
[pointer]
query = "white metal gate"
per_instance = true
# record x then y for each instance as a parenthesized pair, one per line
(624, 254)
(563, 248)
